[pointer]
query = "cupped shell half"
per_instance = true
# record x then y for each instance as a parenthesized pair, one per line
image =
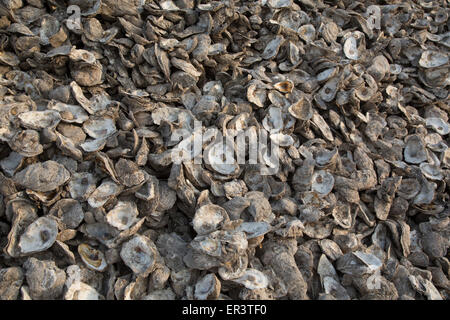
(209, 218)
(39, 236)
(94, 259)
(139, 254)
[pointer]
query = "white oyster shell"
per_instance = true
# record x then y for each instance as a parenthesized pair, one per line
(40, 119)
(39, 236)
(123, 215)
(253, 279)
(209, 218)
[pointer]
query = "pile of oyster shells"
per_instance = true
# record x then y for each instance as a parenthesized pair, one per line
(93, 207)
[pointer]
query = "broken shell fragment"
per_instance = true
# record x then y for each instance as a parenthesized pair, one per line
(253, 279)
(302, 109)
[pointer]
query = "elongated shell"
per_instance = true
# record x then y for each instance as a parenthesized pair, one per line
(44, 176)
(351, 49)
(253, 279)
(433, 59)
(40, 119)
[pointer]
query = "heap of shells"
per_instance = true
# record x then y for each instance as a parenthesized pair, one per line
(354, 94)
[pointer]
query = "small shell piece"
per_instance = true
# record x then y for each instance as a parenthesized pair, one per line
(209, 218)
(39, 236)
(139, 254)
(207, 288)
(93, 258)
(123, 215)
(284, 86)
(253, 279)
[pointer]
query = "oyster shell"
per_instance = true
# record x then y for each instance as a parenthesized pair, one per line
(42, 177)
(38, 236)
(253, 279)
(139, 254)
(207, 288)
(209, 218)
(94, 259)
(123, 215)
(39, 119)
